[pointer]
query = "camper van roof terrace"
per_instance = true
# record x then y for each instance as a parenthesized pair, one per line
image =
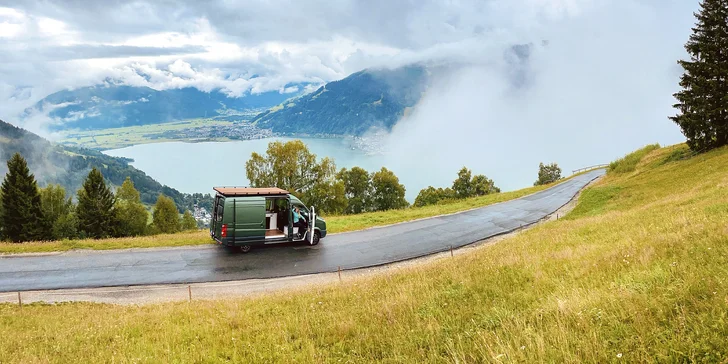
(249, 191)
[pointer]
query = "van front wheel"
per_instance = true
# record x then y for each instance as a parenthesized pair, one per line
(245, 248)
(316, 238)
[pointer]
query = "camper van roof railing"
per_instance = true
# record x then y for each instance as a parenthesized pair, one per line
(250, 191)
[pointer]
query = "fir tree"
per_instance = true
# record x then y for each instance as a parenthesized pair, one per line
(703, 101)
(95, 209)
(22, 216)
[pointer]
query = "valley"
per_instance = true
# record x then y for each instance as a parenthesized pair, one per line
(194, 130)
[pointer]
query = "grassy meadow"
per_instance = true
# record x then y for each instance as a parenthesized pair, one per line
(637, 272)
(115, 138)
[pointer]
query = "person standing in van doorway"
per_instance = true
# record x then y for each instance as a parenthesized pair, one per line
(299, 221)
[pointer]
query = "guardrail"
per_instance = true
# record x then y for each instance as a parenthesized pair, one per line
(590, 167)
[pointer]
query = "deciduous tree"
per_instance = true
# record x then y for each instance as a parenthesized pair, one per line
(130, 212)
(547, 173)
(291, 166)
(188, 221)
(388, 192)
(165, 216)
(357, 188)
(56, 207)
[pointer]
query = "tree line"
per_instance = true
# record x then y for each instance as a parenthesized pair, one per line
(293, 167)
(29, 213)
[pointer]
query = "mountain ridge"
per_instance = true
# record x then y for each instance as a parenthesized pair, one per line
(371, 98)
(110, 105)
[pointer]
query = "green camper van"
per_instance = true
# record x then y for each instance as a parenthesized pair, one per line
(243, 217)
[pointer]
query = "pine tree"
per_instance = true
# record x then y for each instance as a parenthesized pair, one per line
(703, 101)
(95, 210)
(130, 212)
(22, 215)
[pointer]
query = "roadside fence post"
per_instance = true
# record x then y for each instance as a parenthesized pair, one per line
(339, 273)
(451, 251)
(189, 290)
(20, 300)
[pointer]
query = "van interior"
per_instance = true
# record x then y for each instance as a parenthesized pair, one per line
(277, 212)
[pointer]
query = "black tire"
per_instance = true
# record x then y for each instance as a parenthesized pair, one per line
(245, 248)
(316, 238)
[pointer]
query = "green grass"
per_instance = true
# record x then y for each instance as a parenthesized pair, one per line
(334, 224)
(344, 223)
(640, 276)
(162, 240)
(629, 162)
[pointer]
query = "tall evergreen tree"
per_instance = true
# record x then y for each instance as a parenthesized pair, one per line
(22, 215)
(703, 101)
(95, 209)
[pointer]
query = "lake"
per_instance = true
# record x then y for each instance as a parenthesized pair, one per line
(197, 167)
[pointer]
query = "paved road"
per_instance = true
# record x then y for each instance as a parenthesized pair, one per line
(348, 250)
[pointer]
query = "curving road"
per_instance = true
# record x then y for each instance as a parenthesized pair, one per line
(348, 250)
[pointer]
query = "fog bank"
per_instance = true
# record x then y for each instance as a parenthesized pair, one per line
(595, 84)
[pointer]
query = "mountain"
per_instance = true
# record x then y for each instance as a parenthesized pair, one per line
(109, 105)
(69, 166)
(351, 106)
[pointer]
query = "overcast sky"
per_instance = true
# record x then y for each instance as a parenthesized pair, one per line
(49, 45)
(597, 82)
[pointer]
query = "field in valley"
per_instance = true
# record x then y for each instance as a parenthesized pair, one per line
(105, 139)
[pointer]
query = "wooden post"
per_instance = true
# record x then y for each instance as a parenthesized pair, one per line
(20, 300)
(339, 273)
(189, 290)
(451, 251)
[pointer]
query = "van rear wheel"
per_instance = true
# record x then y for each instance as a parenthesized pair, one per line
(245, 248)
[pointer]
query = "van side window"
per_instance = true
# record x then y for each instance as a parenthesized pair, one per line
(218, 215)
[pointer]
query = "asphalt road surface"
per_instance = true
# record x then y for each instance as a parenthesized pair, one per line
(348, 250)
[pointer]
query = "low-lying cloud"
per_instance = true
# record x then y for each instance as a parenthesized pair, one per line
(599, 86)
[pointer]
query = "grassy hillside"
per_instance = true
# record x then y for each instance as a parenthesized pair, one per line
(638, 274)
(69, 166)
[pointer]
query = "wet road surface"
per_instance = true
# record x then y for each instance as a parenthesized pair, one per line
(348, 250)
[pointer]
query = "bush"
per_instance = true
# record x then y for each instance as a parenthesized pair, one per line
(547, 173)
